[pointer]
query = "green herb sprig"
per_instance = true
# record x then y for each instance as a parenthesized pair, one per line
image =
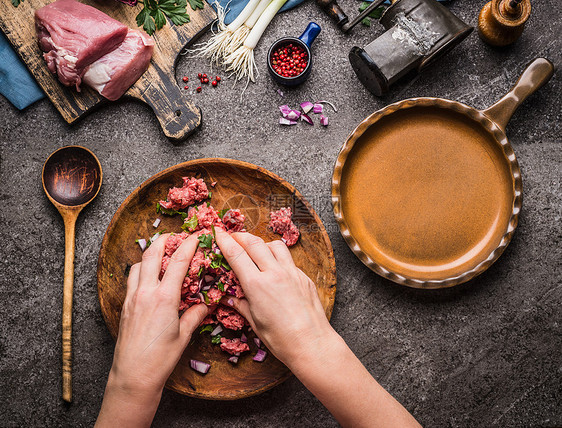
(375, 14)
(153, 15)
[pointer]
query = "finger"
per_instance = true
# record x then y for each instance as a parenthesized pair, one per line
(132, 282)
(237, 258)
(242, 306)
(151, 261)
(281, 252)
(178, 266)
(191, 319)
(256, 249)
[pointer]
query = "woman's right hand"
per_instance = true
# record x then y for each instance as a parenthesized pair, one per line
(282, 303)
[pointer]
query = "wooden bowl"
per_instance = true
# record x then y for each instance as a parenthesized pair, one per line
(256, 192)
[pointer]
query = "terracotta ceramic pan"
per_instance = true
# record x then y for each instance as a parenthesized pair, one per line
(427, 191)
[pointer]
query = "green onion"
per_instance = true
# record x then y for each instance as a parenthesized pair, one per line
(241, 62)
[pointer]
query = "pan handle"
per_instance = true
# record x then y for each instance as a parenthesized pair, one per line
(537, 73)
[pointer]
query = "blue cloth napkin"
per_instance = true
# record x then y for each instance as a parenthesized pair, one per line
(16, 82)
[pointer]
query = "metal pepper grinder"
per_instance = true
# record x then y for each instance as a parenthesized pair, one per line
(417, 33)
(501, 22)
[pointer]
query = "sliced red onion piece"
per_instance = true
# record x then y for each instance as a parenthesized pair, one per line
(199, 366)
(260, 356)
(293, 115)
(285, 121)
(217, 330)
(142, 243)
(201, 297)
(230, 302)
(329, 103)
(318, 108)
(217, 251)
(280, 92)
(155, 237)
(156, 222)
(231, 292)
(206, 287)
(306, 106)
(201, 283)
(306, 118)
(237, 354)
(233, 359)
(209, 279)
(285, 110)
(257, 341)
(243, 338)
(323, 120)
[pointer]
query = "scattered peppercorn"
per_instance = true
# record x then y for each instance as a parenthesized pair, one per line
(205, 80)
(185, 78)
(198, 89)
(214, 83)
(186, 87)
(204, 76)
(218, 79)
(199, 75)
(289, 60)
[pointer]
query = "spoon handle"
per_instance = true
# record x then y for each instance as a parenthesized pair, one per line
(69, 227)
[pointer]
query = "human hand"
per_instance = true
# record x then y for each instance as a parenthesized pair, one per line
(152, 337)
(282, 303)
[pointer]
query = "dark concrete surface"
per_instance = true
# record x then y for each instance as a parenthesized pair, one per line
(487, 353)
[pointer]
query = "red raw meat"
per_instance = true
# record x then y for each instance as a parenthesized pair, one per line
(115, 72)
(73, 36)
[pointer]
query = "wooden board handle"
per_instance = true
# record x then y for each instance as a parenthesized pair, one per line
(178, 116)
(69, 228)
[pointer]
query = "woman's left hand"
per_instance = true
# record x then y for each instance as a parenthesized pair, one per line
(152, 336)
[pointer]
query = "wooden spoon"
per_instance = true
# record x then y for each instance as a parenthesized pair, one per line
(71, 179)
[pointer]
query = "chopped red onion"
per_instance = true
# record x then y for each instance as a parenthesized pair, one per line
(156, 222)
(243, 338)
(329, 103)
(155, 237)
(318, 108)
(230, 302)
(217, 330)
(257, 341)
(231, 292)
(199, 366)
(323, 120)
(129, 2)
(237, 354)
(209, 278)
(217, 251)
(284, 121)
(285, 110)
(260, 356)
(142, 243)
(284, 240)
(280, 92)
(206, 287)
(306, 106)
(305, 117)
(293, 115)
(201, 297)
(233, 359)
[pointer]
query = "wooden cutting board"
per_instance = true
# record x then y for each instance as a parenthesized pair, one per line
(157, 87)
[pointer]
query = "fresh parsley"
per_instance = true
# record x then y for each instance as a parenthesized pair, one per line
(153, 15)
(220, 286)
(205, 240)
(190, 224)
(218, 262)
(207, 301)
(216, 339)
(196, 4)
(210, 195)
(208, 328)
(223, 212)
(161, 210)
(375, 14)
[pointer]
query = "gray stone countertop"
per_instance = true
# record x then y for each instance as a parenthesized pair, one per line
(487, 353)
